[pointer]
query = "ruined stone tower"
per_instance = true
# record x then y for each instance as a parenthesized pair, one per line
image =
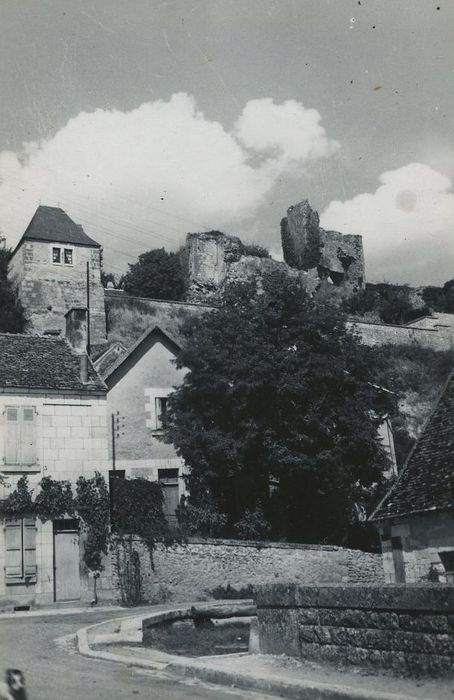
(334, 257)
(48, 270)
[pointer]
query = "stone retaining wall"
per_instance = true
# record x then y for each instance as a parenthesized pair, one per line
(194, 571)
(372, 334)
(406, 628)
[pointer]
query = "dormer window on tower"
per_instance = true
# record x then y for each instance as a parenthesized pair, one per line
(62, 255)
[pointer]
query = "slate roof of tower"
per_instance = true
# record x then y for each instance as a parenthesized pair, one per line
(41, 362)
(427, 481)
(54, 225)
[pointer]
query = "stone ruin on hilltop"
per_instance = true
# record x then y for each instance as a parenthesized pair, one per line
(320, 258)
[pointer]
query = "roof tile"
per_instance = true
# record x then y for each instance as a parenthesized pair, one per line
(41, 362)
(427, 481)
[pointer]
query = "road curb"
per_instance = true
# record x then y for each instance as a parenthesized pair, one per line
(194, 668)
(296, 690)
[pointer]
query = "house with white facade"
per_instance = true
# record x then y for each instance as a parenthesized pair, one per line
(53, 422)
(138, 383)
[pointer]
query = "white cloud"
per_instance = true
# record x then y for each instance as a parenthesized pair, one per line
(286, 133)
(407, 225)
(144, 178)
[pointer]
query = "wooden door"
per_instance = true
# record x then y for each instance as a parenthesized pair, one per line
(67, 576)
(170, 493)
(168, 478)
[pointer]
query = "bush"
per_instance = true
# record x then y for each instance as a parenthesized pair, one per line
(204, 520)
(257, 251)
(253, 525)
(230, 593)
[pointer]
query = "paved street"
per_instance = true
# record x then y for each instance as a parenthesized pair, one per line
(55, 671)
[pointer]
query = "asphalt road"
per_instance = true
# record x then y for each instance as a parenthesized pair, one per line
(43, 647)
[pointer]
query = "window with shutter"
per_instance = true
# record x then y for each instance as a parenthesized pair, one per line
(13, 547)
(12, 436)
(20, 551)
(20, 445)
(27, 438)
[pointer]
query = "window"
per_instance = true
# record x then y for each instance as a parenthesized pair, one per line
(20, 551)
(161, 411)
(62, 255)
(20, 435)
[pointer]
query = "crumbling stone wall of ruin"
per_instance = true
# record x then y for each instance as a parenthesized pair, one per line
(319, 258)
(338, 258)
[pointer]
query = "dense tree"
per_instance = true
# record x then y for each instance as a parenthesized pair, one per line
(277, 387)
(12, 317)
(157, 275)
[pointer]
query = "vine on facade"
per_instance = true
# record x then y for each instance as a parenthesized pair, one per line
(137, 512)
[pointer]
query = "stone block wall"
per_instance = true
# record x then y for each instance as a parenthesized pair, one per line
(423, 538)
(193, 571)
(47, 291)
(408, 629)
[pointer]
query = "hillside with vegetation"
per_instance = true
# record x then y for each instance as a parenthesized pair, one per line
(416, 375)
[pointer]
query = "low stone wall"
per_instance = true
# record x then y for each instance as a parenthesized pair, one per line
(386, 334)
(195, 570)
(406, 628)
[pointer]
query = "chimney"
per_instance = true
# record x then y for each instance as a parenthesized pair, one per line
(84, 368)
(77, 328)
(77, 336)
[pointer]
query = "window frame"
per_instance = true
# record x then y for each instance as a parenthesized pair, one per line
(26, 577)
(160, 402)
(63, 249)
(19, 448)
(52, 249)
(68, 250)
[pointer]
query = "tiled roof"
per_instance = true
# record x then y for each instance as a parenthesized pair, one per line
(53, 224)
(41, 362)
(427, 481)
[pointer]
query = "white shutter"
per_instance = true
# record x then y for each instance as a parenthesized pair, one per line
(29, 546)
(13, 547)
(27, 437)
(12, 436)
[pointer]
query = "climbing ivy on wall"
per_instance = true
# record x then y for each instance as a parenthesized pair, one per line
(136, 512)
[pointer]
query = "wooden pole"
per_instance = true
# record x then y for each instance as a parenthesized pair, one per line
(113, 442)
(88, 309)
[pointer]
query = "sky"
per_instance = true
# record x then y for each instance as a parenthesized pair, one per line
(147, 119)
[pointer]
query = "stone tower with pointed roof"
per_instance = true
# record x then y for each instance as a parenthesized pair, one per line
(48, 270)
